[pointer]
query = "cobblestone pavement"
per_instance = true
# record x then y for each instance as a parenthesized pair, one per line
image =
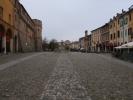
(64, 83)
(104, 77)
(12, 63)
(10, 57)
(25, 80)
(67, 76)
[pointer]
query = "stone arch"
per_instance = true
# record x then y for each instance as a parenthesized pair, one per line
(2, 33)
(2, 30)
(15, 43)
(8, 40)
(9, 33)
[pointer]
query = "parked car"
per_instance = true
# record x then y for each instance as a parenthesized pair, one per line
(82, 50)
(74, 50)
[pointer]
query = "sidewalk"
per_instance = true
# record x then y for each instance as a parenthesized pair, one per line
(106, 54)
(19, 60)
(125, 58)
(10, 57)
(111, 58)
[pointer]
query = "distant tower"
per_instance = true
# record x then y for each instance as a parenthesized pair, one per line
(38, 34)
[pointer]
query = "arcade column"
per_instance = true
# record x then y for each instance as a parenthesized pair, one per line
(4, 42)
(11, 44)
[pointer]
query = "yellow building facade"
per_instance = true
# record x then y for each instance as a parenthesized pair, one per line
(6, 25)
(114, 32)
(96, 39)
(17, 28)
(130, 25)
(8, 10)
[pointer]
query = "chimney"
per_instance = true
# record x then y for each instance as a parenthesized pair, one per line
(122, 11)
(110, 19)
(113, 17)
(86, 33)
(118, 14)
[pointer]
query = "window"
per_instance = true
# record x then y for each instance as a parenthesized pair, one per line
(118, 34)
(110, 26)
(111, 36)
(1, 12)
(131, 36)
(121, 23)
(9, 18)
(114, 35)
(130, 31)
(121, 33)
(126, 34)
(130, 17)
(126, 20)
(118, 22)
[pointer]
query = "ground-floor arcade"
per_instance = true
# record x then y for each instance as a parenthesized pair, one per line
(8, 40)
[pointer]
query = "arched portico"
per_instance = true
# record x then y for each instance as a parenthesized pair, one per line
(8, 40)
(2, 33)
(15, 47)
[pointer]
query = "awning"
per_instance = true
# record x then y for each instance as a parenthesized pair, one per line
(128, 45)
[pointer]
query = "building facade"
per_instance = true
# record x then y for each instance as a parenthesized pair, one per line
(89, 42)
(118, 31)
(105, 38)
(38, 34)
(82, 42)
(26, 31)
(74, 45)
(130, 24)
(6, 25)
(96, 40)
(114, 32)
(86, 41)
(123, 21)
(17, 29)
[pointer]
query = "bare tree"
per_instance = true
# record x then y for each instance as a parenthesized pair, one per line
(45, 44)
(53, 45)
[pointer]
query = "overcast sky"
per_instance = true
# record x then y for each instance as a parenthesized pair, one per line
(68, 19)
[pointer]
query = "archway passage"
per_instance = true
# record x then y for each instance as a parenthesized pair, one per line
(15, 43)
(8, 40)
(2, 31)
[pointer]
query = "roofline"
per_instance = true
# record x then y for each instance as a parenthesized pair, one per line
(26, 12)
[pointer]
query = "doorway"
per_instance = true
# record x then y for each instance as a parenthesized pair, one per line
(15, 44)
(2, 30)
(8, 40)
